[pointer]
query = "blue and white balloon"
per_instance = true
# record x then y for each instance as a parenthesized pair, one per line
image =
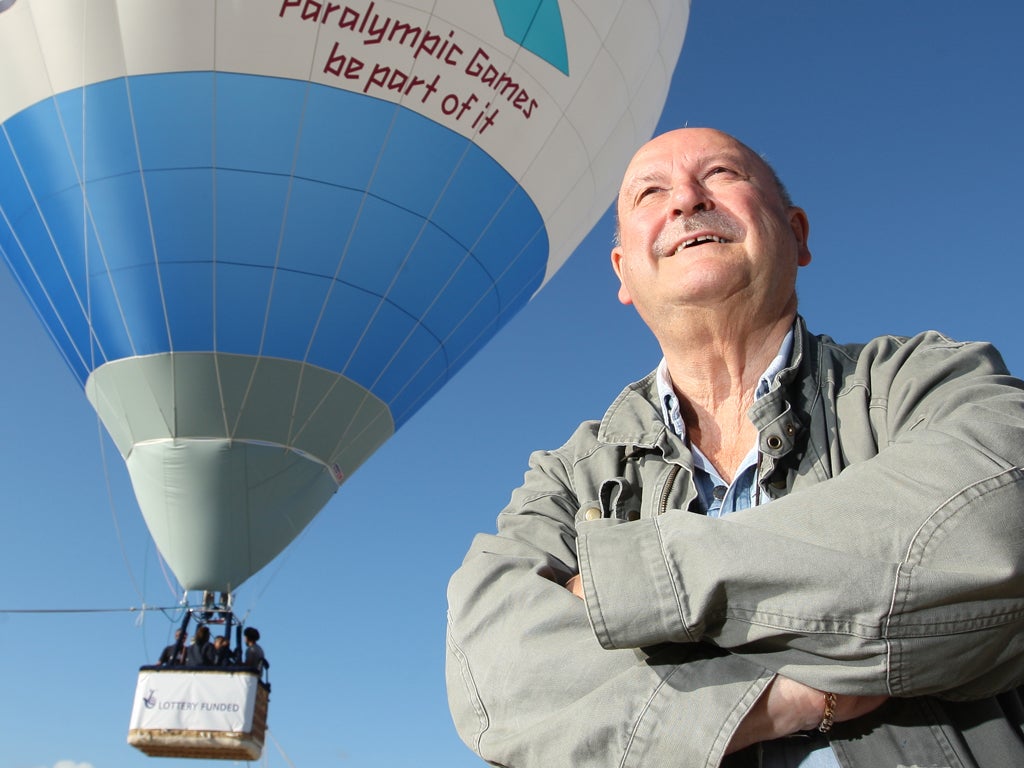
(262, 234)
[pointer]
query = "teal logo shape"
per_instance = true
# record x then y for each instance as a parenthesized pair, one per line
(537, 26)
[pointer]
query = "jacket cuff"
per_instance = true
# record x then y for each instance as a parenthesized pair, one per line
(632, 599)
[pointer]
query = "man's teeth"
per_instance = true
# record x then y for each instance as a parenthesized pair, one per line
(702, 239)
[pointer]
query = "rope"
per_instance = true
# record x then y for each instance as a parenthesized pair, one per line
(277, 745)
(132, 609)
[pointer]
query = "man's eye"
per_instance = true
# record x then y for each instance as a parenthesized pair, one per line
(647, 192)
(720, 169)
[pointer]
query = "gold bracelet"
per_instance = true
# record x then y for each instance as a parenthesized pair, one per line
(828, 718)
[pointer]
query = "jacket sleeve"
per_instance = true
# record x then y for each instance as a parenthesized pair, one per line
(528, 684)
(903, 575)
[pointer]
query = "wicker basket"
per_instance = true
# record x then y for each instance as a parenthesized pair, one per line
(214, 745)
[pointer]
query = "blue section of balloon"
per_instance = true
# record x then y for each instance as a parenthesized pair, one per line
(270, 217)
(537, 26)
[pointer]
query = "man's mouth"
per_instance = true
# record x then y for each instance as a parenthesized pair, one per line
(702, 228)
(700, 241)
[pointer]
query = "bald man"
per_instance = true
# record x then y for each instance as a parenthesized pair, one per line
(774, 549)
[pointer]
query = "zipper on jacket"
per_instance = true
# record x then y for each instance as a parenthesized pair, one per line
(672, 472)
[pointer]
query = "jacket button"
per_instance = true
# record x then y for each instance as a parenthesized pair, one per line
(774, 442)
(790, 429)
(592, 514)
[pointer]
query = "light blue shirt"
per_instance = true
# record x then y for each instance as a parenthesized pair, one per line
(720, 498)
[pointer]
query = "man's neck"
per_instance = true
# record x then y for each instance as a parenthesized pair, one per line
(715, 364)
(715, 374)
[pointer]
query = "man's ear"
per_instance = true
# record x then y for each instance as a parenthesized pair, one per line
(624, 296)
(801, 229)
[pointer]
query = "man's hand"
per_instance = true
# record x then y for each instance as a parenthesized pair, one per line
(575, 585)
(787, 707)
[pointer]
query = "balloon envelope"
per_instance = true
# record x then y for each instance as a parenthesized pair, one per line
(262, 234)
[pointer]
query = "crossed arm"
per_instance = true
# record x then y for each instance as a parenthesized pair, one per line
(786, 706)
(699, 636)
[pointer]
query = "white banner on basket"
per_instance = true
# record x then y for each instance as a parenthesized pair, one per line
(194, 701)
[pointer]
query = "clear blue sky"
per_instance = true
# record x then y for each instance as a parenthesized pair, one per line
(896, 125)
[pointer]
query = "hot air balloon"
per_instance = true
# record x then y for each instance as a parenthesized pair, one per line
(262, 234)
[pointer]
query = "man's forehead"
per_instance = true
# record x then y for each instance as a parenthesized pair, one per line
(685, 147)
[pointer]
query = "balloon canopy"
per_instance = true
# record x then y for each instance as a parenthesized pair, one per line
(262, 234)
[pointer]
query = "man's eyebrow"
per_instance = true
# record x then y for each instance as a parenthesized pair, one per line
(651, 177)
(737, 158)
(730, 156)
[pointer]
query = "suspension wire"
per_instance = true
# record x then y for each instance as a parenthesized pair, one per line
(86, 212)
(280, 749)
(281, 559)
(131, 609)
(113, 509)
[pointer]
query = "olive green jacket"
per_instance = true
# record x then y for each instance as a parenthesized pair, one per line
(887, 557)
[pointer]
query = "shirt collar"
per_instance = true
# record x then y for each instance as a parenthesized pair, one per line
(670, 402)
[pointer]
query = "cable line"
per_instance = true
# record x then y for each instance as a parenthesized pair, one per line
(131, 609)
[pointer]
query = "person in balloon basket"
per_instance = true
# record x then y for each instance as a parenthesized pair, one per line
(255, 659)
(223, 656)
(175, 652)
(773, 550)
(201, 651)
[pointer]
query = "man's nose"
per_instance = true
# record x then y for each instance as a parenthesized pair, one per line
(688, 197)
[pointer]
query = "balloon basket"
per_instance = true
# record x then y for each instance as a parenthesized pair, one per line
(207, 714)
